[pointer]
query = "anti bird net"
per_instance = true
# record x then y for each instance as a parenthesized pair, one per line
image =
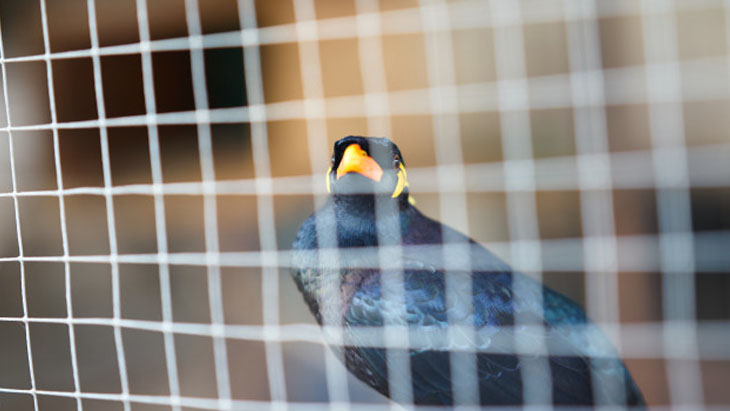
(158, 157)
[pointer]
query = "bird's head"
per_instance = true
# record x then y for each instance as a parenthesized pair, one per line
(368, 166)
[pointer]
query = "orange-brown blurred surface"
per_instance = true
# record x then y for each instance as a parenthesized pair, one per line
(347, 69)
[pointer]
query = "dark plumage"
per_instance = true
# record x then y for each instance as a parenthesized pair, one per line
(348, 290)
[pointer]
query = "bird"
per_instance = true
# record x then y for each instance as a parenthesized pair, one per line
(340, 264)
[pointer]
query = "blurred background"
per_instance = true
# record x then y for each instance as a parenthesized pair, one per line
(585, 142)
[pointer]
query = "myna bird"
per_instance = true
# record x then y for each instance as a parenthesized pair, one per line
(370, 208)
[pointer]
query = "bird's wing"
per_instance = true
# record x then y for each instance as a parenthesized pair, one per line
(426, 309)
(494, 305)
(582, 364)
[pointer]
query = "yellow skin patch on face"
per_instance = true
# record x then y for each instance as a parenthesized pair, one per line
(402, 181)
(327, 179)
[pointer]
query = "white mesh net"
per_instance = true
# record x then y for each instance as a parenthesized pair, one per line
(158, 157)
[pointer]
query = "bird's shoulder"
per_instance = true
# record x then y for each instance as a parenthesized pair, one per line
(306, 238)
(493, 280)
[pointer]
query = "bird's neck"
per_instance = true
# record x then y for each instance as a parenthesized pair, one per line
(367, 220)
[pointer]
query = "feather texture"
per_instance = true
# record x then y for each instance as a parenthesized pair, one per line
(348, 289)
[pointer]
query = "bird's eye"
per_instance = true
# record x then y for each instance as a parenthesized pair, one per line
(333, 160)
(396, 162)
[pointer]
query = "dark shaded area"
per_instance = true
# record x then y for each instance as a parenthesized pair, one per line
(179, 153)
(710, 208)
(123, 85)
(73, 84)
(711, 251)
(22, 30)
(711, 291)
(224, 77)
(232, 154)
(129, 155)
(81, 157)
(173, 81)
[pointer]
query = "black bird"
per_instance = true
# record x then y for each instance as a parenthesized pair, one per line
(367, 179)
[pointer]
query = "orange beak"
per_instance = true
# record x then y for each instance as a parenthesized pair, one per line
(356, 160)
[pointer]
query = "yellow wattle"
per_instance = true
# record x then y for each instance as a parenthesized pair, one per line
(402, 181)
(327, 179)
